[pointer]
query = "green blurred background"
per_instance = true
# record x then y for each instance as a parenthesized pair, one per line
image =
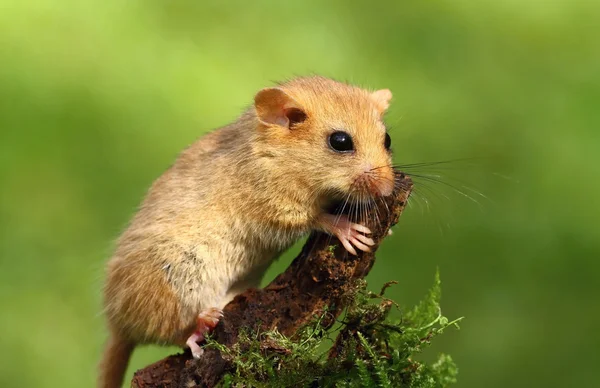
(98, 97)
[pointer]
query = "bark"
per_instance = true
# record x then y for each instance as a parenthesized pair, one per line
(319, 277)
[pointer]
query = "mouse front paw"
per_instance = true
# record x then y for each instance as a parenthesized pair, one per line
(207, 320)
(349, 233)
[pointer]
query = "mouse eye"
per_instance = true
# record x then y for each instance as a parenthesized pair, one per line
(388, 141)
(341, 141)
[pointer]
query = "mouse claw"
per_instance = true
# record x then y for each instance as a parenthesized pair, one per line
(192, 343)
(350, 234)
(207, 320)
(210, 317)
(359, 227)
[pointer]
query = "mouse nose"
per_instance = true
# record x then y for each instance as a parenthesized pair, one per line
(380, 181)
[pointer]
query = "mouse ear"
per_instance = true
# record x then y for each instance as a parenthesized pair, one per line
(275, 107)
(382, 99)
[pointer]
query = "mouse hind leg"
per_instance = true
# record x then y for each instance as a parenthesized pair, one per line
(208, 318)
(206, 321)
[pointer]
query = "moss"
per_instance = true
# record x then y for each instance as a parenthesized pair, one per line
(369, 348)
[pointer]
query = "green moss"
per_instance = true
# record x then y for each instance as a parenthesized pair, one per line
(369, 348)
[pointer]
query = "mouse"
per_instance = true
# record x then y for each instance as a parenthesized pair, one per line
(233, 202)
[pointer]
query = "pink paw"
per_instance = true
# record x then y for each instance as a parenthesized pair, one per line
(207, 320)
(350, 234)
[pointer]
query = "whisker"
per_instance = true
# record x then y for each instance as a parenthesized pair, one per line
(439, 177)
(439, 162)
(506, 177)
(456, 189)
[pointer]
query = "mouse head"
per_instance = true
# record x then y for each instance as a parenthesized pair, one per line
(328, 134)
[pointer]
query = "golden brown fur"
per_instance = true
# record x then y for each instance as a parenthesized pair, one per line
(231, 203)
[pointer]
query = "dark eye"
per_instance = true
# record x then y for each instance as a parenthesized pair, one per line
(341, 142)
(388, 141)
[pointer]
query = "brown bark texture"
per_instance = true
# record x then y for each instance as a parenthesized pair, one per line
(319, 278)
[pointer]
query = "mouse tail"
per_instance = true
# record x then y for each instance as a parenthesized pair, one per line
(114, 361)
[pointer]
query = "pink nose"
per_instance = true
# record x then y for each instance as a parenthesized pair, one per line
(377, 180)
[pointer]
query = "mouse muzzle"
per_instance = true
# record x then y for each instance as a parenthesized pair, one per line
(375, 182)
